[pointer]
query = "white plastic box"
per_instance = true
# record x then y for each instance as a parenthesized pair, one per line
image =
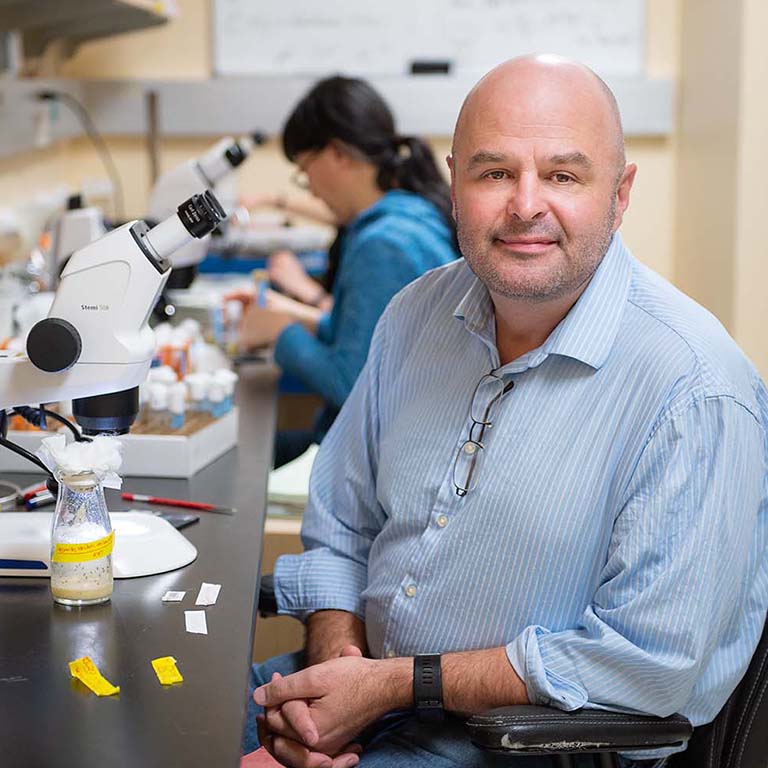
(147, 455)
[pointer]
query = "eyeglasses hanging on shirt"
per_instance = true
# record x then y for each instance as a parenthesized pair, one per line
(469, 460)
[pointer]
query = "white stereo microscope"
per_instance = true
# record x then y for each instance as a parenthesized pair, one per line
(95, 347)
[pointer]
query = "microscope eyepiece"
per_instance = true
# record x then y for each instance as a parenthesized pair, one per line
(236, 154)
(201, 214)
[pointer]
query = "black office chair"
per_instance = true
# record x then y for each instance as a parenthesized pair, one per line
(736, 738)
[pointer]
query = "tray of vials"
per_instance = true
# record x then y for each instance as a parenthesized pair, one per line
(148, 453)
(183, 425)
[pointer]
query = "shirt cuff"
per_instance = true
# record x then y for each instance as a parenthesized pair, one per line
(319, 580)
(527, 655)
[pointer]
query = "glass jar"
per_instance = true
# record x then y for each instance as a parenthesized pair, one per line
(81, 542)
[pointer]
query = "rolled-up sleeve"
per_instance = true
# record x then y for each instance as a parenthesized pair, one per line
(343, 515)
(688, 545)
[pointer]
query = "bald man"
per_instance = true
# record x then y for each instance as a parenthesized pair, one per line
(549, 482)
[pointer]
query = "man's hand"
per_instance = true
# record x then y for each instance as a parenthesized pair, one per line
(293, 747)
(342, 697)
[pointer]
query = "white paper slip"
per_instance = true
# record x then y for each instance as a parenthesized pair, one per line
(195, 621)
(208, 594)
(173, 597)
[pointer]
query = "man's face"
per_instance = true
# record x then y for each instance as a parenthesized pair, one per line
(537, 191)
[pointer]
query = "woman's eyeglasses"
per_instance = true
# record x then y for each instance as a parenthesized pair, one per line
(300, 176)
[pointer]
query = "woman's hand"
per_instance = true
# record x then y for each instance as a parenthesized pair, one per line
(288, 274)
(308, 316)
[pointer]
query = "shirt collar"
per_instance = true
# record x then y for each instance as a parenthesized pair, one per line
(476, 308)
(587, 332)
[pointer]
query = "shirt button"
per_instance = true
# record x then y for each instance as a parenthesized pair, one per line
(410, 590)
(442, 521)
(391, 654)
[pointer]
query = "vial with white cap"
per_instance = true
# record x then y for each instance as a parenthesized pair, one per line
(192, 328)
(216, 323)
(228, 379)
(234, 311)
(177, 404)
(198, 390)
(144, 388)
(162, 374)
(163, 332)
(158, 402)
(216, 398)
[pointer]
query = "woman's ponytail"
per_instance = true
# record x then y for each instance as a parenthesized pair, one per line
(411, 166)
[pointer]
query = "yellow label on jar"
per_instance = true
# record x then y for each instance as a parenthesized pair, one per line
(166, 670)
(87, 672)
(82, 553)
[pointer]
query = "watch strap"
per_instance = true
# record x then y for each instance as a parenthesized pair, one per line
(428, 688)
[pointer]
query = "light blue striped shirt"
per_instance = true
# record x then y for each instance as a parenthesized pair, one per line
(616, 540)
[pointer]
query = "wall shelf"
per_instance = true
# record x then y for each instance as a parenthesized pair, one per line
(43, 21)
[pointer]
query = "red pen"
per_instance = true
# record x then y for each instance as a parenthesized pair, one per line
(33, 490)
(198, 505)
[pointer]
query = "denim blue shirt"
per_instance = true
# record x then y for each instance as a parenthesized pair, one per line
(383, 249)
(615, 543)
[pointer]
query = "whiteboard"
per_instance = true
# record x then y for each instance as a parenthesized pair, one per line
(372, 37)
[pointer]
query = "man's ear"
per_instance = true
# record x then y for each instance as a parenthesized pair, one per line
(451, 168)
(623, 192)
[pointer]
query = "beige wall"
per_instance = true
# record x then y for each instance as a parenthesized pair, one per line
(721, 196)
(750, 289)
(707, 152)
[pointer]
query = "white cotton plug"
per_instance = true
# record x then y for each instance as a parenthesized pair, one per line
(103, 457)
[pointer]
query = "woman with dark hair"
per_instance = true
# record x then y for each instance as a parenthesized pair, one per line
(393, 210)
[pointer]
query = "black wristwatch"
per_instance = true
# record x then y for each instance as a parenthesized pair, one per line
(428, 688)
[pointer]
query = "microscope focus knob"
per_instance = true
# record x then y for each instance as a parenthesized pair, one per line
(54, 345)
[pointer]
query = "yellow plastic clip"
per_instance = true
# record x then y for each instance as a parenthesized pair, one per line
(166, 670)
(87, 673)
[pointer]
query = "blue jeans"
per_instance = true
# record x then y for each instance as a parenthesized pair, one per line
(399, 739)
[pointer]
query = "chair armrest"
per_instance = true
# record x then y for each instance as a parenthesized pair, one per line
(527, 729)
(267, 597)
